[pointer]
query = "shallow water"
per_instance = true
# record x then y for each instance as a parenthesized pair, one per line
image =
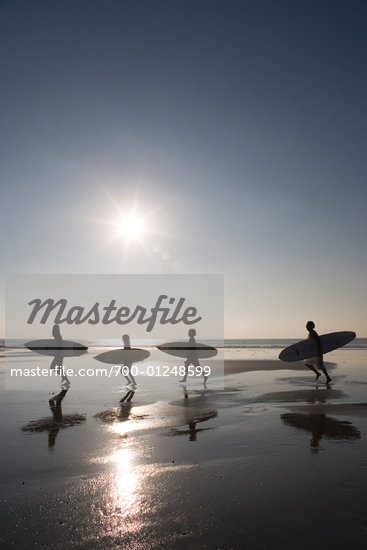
(259, 459)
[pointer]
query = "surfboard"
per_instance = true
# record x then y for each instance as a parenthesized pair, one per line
(53, 347)
(123, 356)
(308, 348)
(184, 349)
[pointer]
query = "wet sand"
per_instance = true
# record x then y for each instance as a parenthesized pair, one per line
(263, 458)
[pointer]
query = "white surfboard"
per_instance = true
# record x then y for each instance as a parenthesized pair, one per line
(308, 348)
(123, 356)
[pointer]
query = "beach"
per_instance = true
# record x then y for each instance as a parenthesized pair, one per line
(261, 458)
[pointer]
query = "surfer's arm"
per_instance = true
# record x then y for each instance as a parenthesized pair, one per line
(316, 337)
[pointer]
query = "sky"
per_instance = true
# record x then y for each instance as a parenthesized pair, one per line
(235, 131)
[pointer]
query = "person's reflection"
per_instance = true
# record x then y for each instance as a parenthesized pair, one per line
(58, 421)
(121, 414)
(193, 430)
(321, 425)
(55, 406)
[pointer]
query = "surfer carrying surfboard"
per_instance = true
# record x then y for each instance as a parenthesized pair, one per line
(316, 363)
(58, 360)
(192, 355)
(129, 377)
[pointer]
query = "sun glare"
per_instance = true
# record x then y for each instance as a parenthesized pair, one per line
(131, 227)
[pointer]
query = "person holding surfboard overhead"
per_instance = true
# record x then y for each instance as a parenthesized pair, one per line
(315, 363)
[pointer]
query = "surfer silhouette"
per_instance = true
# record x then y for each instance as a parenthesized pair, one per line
(192, 355)
(58, 360)
(125, 358)
(56, 333)
(316, 363)
(129, 377)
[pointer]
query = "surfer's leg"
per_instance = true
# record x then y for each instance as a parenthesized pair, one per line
(322, 367)
(186, 364)
(54, 363)
(205, 376)
(132, 378)
(126, 372)
(310, 363)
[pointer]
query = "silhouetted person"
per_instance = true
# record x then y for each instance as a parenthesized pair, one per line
(192, 356)
(317, 362)
(130, 379)
(56, 333)
(58, 360)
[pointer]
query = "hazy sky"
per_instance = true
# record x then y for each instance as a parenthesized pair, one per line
(237, 130)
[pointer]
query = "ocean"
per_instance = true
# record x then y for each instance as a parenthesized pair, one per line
(239, 343)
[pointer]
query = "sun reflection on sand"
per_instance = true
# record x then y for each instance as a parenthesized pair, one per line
(124, 428)
(126, 481)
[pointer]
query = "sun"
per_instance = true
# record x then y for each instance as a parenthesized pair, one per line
(131, 227)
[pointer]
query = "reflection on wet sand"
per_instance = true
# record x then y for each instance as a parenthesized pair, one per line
(126, 477)
(58, 421)
(320, 426)
(118, 415)
(131, 482)
(343, 409)
(124, 498)
(192, 431)
(309, 396)
(123, 420)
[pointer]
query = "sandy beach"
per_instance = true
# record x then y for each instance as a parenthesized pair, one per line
(264, 459)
